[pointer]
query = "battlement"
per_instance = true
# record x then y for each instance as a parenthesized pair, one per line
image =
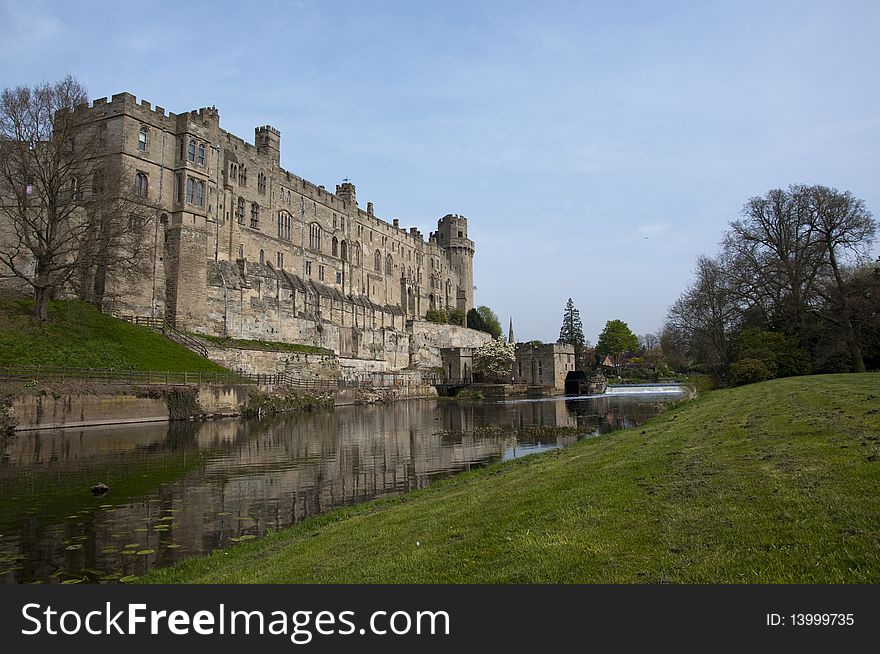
(268, 128)
(126, 103)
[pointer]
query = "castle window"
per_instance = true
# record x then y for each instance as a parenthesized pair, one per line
(241, 250)
(321, 273)
(356, 254)
(461, 235)
(280, 260)
(239, 211)
(233, 172)
(179, 178)
(142, 139)
(377, 261)
(339, 278)
(315, 236)
(309, 268)
(389, 264)
(242, 175)
(342, 223)
(191, 153)
(201, 154)
(343, 250)
(199, 194)
(284, 225)
(255, 216)
(335, 247)
(182, 149)
(261, 183)
(75, 193)
(262, 257)
(190, 189)
(140, 185)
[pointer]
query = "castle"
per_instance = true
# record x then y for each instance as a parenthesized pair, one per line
(245, 249)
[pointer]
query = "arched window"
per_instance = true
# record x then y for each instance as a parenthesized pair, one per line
(242, 175)
(182, 149)
(262, 256)
(335, 246)
(284, 225)
(200, 194)
(356, 255)
(255, 217)
(142, 139)
(315, 236)
(201, 154)
(140, 185)
(389, 264)
(343, 250)
(190, 189)
(191, 153)
(239, 211)
(377, 261)
(261, 183)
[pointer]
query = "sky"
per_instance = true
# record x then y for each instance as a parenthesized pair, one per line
(596, 148)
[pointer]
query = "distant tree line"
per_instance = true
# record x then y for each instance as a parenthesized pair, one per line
(791, 291)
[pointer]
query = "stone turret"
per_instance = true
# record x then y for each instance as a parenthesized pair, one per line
(452, 236)
(268, 142)
(346, 193)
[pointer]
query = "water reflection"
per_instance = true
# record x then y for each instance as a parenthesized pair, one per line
(188, 488)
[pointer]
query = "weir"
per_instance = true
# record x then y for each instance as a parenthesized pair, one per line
(641, 389)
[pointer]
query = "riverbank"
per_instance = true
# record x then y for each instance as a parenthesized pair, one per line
(767, 483)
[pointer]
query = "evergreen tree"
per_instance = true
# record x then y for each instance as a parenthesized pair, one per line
(572, 332)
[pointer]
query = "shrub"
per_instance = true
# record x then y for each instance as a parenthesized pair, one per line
(436, 315)
(749, 370)
(456, 316)
(779, 352)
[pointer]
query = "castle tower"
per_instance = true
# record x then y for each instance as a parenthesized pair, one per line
(346, 193)
(268, 142)
(452, 236)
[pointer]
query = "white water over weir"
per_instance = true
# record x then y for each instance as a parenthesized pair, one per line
(641, 389)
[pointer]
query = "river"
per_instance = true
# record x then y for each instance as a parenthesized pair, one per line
(187, 488)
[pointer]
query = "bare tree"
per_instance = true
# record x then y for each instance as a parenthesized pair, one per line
(788, 254)
(64, 211)
(707, 315)
(775, 258)
(845, 229)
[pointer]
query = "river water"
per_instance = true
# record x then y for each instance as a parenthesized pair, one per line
(182, 489)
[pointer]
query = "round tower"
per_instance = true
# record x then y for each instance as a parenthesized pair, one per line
(452, 236)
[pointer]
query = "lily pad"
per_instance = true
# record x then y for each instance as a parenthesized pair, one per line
(145, 552)
(242, 538)
(75, 546)
(126, 579)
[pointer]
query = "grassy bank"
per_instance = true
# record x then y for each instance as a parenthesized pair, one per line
(774, 482)
(78, 336)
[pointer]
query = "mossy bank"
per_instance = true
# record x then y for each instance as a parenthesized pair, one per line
(768, 483)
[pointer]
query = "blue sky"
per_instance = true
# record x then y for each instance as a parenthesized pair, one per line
(596, 148)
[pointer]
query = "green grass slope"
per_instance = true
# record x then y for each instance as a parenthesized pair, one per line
(775, 482)
(78, 336)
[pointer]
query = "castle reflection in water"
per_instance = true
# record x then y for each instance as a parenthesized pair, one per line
(188, 488)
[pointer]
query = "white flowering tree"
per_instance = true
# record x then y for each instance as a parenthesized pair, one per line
(495, 359)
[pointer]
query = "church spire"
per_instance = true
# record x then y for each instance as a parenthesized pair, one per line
(510, 333)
